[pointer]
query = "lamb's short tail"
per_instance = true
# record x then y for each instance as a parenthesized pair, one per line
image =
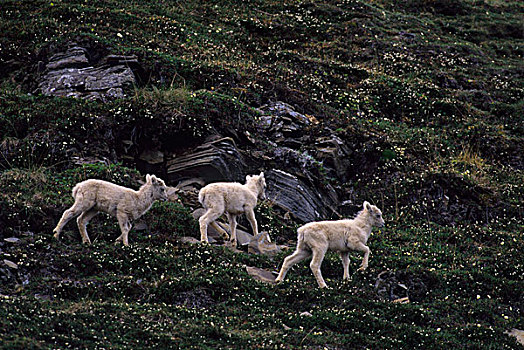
(202, 197)
(300, 236)
(75, 189)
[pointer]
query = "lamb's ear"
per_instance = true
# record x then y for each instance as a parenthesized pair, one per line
(154, 179)
(148, 178)
(262, 175)
(367, 206)
(248, 177)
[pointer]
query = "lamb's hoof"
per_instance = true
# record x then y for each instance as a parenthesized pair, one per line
(86, 242)
(362, 268)
(325, 286)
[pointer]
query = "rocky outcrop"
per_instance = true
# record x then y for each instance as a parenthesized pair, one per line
(302, 201)
(280, 119)
(70, 74)
(217, 160)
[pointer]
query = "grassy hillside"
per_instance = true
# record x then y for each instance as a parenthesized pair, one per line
(427, 95)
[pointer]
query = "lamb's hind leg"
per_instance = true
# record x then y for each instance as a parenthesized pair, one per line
(299, 255)
(316, 262)
(363, 248)
(233, 227)
(70, 213)
(82, 222)
(209, 216)
(345, 263)
(125, 227)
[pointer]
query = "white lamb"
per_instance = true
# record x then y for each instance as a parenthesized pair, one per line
(342, 236)
(94, 196)
(233, 199)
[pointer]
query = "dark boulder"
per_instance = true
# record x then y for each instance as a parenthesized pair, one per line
(217, 160)
(303, 201)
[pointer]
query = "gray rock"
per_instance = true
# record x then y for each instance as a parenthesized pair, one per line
(333, 153)
(120, 60)
(292, 195)
(189, 240)
(217, 160)
(261, 245)
(172, 194)
(280, 117)
(73, 57)
(12, 239)
(11, 264)
(140, 226)
(260, 274)
(152, 156)
(69, 74)
(243, 237)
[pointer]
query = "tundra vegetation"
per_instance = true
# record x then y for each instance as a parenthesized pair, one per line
(426, 95)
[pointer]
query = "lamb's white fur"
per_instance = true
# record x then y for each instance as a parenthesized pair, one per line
(233, 199)
(342, 236)
(94, 196)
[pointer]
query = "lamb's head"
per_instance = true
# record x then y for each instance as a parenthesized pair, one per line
(375, 215)
(257, 183)
(158, 186)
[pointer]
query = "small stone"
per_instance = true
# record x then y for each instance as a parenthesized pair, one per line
(306, 313)
(189, 240)
(260, 274)
(11, 264)
(12, 239)
(260, 244)
(141, 226)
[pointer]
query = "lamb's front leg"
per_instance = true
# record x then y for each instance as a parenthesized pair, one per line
(250, 214)
(344, 256)
(363, 248)
(125, 227)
